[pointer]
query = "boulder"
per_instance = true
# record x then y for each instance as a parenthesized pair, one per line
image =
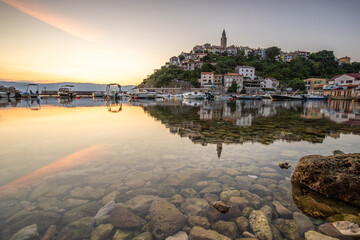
(199, 233)
(260, 225)
(26, 233)
(123, 218)
(226, 195)
(50, 233)
(348, 228)
(336, 176)
(268, 211)
(105, 209)
(281, 210)
(87, 192)
(165, 219)
(88, 209)
(254, 199)
(189, 193)
(242, 223)
(121, 235)
(140, 204)
(329, 230)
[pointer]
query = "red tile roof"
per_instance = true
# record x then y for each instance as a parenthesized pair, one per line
(354, 75)
(233, 74)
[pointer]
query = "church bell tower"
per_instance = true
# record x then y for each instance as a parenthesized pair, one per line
(223, 39)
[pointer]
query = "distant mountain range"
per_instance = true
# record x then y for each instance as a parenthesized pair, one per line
(21, 86)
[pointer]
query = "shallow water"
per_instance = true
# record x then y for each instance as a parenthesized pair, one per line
(66, 159)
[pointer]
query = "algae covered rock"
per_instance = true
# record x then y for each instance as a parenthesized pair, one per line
(312, 235)
(102, 232)
(288, 228)
(336, 176)
(77, 230)
(123, 218)
(165, 218)
(226, 228)
(26, 233)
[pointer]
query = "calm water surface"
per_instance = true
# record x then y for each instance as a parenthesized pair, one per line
(66, 159)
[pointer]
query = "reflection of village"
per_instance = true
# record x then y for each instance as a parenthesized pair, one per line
(344, 112)
(265, 122)
(242, 113)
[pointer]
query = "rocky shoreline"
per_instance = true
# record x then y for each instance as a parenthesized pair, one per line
(171, 201)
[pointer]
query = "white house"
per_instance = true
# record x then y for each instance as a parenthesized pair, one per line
(346, 80)
(246, 71)
(269, 83)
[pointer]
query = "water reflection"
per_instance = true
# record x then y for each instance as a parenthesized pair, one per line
(33, 104)
(113, 106)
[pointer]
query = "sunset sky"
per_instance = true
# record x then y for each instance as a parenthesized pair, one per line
(124, 41)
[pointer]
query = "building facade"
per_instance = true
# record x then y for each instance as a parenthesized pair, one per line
(314, 83)
(346, 80)
(206, 79)
(269, 83)
(246, 71)
(231, 78)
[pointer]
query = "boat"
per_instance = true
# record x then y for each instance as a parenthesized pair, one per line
(113, 91)
(29, 93)
(194, 95)
(286, 97)
(136, 93)
(266, 96)
(98, 94)
(248, 97)
(66, 91)
(315, 97)
(7, 94)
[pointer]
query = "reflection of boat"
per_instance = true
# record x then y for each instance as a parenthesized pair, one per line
(29, 93)
(113, 91)
(193, 102)
(67, 102)
(114, 106)
(7, 95)
(248, 97)
(4, 102)
(32, 106)
(194, 95)
(66, 91)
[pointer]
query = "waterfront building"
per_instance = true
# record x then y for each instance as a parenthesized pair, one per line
(218, 80)
(206, 79)
(269, 83)
(231, 78)
(223, 40)
(346, 80)
(246, 71)
(314, 83)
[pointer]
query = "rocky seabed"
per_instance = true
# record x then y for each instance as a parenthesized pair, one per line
(172, 200)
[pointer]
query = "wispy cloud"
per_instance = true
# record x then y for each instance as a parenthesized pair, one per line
(56, 20)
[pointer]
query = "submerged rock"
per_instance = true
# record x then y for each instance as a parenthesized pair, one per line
(288, 228)
(77, 230)
(140, 204)
(260, 225)
(198, 221)
(121, 235)
(336, 176)
(165, 219)
(304, 223)
(281, 210)
(102, 232)
(312, 235)
(123, 218)
(87, 192)
(50, 233)
(284, 165)
(143, 236)
(347, 228)
(242, 223)
(105, 209)
(178, 236)
(26, 233)
(198, 233)
(226, 228)
(195, 206)
(221, 206)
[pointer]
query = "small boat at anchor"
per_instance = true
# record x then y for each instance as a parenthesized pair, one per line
(66, 91)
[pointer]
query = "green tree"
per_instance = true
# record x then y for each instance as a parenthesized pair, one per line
(272, 52)
(181, 57)
(297, 84)
(233, 87)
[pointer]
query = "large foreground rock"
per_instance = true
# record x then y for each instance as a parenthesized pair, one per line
(336, 176)
(123, 218)
(77, 230)
(165, 219)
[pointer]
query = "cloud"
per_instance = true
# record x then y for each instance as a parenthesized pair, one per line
(56, 20)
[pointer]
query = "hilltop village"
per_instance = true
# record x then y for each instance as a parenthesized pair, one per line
(247, 70)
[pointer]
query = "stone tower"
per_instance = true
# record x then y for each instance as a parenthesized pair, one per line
(223, 39)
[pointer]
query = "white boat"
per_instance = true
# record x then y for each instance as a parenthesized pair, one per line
(98, 94)
(194, 95)
(29, 93)
(113, 91)
(66, 91)
(7, 95)
(142, 94)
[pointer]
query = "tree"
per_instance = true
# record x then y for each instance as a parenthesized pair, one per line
(233, 87)
(272, 52)
(297, 84)
(181, 57)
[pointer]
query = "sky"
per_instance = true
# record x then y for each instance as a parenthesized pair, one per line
(123, 41)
